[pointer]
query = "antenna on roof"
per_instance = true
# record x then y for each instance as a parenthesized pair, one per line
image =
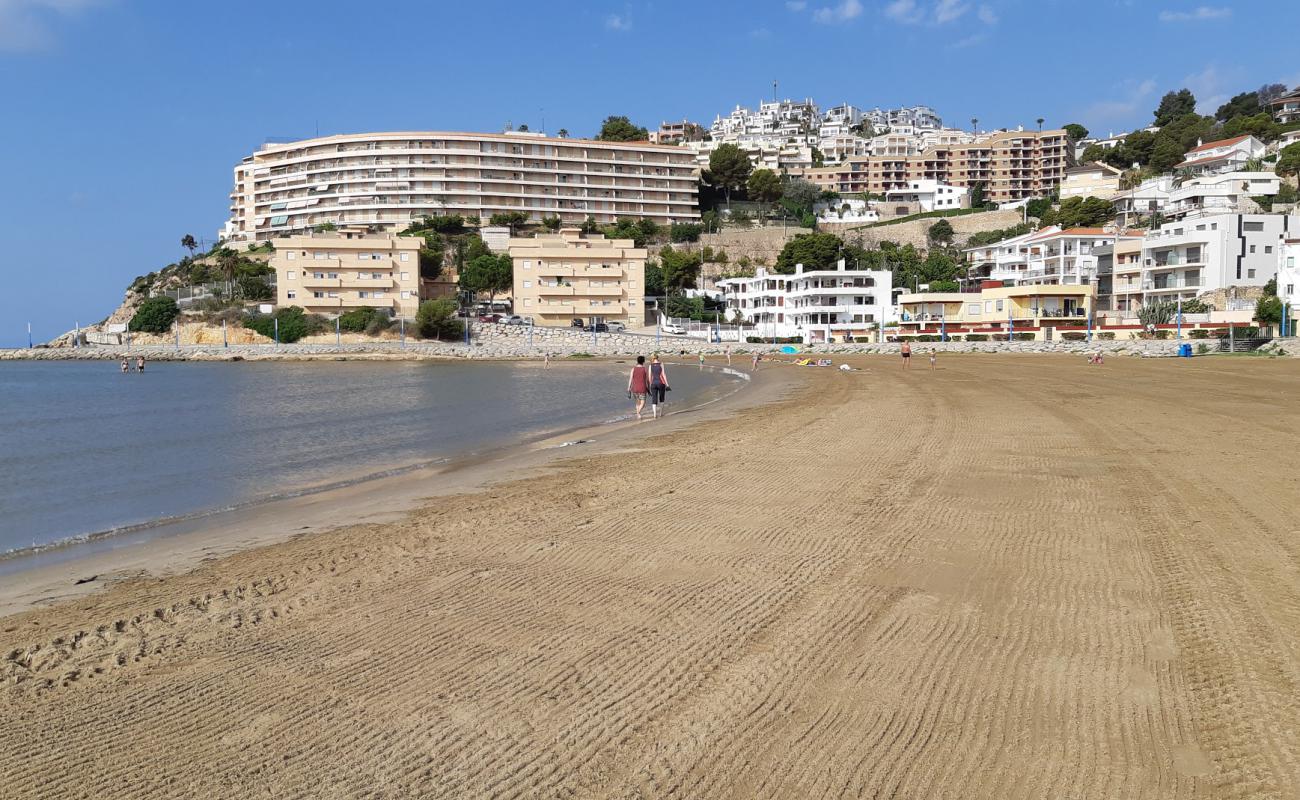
(773, 91)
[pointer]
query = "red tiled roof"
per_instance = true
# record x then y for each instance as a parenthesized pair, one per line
(1205, 160)
(1220, 143)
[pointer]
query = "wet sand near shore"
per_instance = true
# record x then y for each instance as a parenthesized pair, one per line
(1012, 577)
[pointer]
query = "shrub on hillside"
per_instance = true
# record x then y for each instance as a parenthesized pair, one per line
(294, 324)
(154, 315)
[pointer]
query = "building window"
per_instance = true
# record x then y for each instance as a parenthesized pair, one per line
(317, 294)
(1252, 248)
(406, 276)
(363, 294)
(291, 294)
(528, 301)
(1252, 226)
(332, 294)
(291, 275)
(406, 295)
(1268, 248)
(528, 265)
(528, 284)
(1250, 273)
(363, 256)
(999, 305)
(290, 255)
(405, 257)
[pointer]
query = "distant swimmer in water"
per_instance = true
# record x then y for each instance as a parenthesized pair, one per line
(126, 365)
(139, 364)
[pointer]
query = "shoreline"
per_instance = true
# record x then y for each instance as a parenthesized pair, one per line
(82, 565)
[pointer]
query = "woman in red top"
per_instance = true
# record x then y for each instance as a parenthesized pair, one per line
(638, 384)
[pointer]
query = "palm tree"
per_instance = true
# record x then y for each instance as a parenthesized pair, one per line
(1040, 124)
(187, 241)
(228, 260)
(563, 133)
(974, 125)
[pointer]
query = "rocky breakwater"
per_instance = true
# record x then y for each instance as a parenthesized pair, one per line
(514, 342)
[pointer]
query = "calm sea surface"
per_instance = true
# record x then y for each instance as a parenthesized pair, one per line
(85, 449)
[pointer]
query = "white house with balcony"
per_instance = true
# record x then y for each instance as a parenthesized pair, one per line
(1057, 256)
(1185, 259)
(1003, 261)
(1222, 193)
(1288, 275)
(1286, 108)
(1225, 155)
(817, 305)
(929, 195)
(845, 210)
(1147, 198)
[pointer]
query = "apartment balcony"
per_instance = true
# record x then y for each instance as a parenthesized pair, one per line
(555, 291)
(601, 291)
(321, 283)
(597, 272)
(357, 282)
(1172, 286)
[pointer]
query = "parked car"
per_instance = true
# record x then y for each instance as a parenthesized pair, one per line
(676, 330)
(617, 327)
(490, 318)
(465, 313)
(577, 322)
(598, 327)
(514, 319)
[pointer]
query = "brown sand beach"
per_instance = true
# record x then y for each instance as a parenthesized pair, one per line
(1011, 577)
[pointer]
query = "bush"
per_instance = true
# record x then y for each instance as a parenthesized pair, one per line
(1202, 349)
(294, 324)
(436, 319)
(684, 232)
(1108, 336)
(378, 324)
(1074, 336)
(1022, 337)
(777, 340)
(1199, 333)
(1162, 334)
(154, 315)
(358, 319)
(977, 337)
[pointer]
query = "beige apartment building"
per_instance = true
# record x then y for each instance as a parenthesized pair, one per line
(387, 180)
(560, 277)
(333, 273)
(1012, 165)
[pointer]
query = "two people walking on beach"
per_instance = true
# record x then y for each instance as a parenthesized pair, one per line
(648, 381)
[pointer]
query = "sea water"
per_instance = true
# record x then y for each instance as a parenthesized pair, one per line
(85, 449)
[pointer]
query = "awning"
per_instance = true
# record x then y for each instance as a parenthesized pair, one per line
(280, 220)
(278, 206)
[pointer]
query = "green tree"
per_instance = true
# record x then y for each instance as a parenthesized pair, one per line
(684, 232)
(681, 270)
(154, 315)
(1093, 152)
(487, 273)
(293, 324)
(188, 242)
(654, 279)
(764, 186)
(1080, 212)
(729, 168)
(621, 129)
(358, 319)
(436, 319)
(509, 219)
(589, 225)
(711, 222)
(1174, 105)
(324, 227)
(799, 196)
(1039, 207)
(1268, 311)
(943, 286)
(940, 232)
(563, 133)
(1076, 131)
(1245, 104)
(254, 287)
(1166, 155)
(551, 223)
(1288, 160)
(813, 250)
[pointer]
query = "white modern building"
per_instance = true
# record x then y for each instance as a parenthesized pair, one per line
(1057, 256)
(915, 116)
(387, 180)
(845, 210)
(1225, 155)
(1185, 259)
(1007, 260)
(929, 195)
(817, 305)
(1288, 276)
(1221, 193)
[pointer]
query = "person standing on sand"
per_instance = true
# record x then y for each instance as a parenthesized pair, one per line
(658, 384)
(756, 359)
(638, 385)
(546, 359)
(906, 350)
(701, 359)
(727, 351)
(933, 357)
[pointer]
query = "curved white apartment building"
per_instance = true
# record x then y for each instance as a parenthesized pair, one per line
(389, 179)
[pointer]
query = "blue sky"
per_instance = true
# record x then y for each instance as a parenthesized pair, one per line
(123, 118)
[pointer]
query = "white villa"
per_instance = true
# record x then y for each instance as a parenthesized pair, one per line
(817, 305)
(1225, 155)
(929, 195)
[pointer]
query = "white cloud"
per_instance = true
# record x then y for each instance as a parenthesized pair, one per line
(949, 10)
(24, 24)
(987, 15)
(843, 11)
(796, 5)
(619, 22)
(970, 41)
(1131, 98)
(1195, 15)
(1213, 87)
(904, 11)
